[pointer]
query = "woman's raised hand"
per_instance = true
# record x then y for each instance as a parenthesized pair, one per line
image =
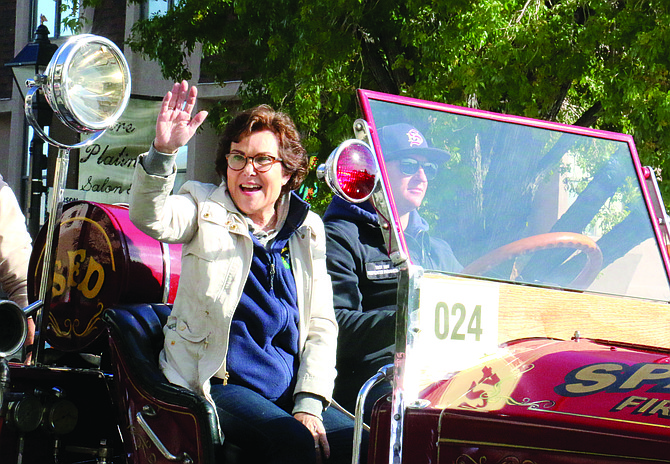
(174, 126)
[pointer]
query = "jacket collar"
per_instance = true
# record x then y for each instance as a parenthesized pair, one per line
(416, 224)
(340, 208)
(297, 212)
(222, 196)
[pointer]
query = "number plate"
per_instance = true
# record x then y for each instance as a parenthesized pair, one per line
(455, 326)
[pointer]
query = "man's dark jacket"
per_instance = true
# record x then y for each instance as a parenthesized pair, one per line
(365, 288)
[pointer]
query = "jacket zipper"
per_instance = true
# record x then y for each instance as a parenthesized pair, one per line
(272, 276)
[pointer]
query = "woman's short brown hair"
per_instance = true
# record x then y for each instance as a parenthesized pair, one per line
(260, 118)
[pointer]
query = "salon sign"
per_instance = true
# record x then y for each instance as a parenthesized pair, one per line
(106, 166)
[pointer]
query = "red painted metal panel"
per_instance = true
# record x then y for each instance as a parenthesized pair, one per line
(102, 259)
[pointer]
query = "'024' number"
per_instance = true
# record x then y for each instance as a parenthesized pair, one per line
(444, 317)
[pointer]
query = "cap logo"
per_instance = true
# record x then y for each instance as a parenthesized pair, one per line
(414, 138)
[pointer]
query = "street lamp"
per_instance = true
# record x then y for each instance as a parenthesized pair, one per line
(31, 61)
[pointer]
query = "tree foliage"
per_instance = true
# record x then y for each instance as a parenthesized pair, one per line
(596, 63)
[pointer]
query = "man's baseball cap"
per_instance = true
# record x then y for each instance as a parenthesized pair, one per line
(398, 140)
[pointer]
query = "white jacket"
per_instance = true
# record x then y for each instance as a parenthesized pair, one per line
(216, 258)
(15, 247)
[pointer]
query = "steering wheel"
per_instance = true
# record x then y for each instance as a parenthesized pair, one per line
(594, 257)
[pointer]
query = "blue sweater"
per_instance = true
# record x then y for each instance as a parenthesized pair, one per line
(264, 335)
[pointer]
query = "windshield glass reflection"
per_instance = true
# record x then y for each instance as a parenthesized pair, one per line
(464, 187)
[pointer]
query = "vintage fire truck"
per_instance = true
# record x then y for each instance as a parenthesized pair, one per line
(551, 345)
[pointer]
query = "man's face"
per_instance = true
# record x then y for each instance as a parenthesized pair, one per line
(408, 189)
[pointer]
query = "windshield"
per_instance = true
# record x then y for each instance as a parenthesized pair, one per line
(464, 183)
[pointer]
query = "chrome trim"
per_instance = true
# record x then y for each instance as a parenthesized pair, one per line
(150, 412)
(383, 374)
(28, 108)
(408, 304)
(165, 248)
(16, 324)
(50, 246)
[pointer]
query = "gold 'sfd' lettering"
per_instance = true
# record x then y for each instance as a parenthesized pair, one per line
(89, 284)
(615, 377)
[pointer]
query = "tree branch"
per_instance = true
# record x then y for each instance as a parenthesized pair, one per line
(558, 102)
(590, 116)
(378, 67)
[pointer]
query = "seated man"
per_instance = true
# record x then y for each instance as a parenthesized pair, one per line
(364, 278)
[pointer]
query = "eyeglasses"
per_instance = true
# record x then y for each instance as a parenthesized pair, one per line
(410, 166)
(261, 163)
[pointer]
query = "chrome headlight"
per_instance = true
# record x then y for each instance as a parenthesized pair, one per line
(87, 83)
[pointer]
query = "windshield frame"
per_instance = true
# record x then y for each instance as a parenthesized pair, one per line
(366, 96)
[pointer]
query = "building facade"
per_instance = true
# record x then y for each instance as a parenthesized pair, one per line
(113, 19)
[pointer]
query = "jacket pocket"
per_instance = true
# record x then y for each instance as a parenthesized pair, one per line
(182, 353)
(182, 329)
